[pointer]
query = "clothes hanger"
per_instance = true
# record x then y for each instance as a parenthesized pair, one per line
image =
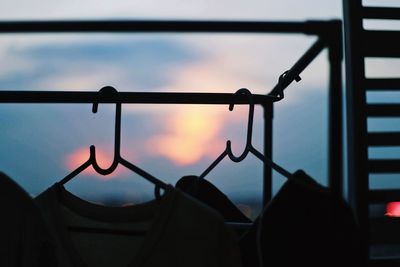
(249, 146)
(118, 159)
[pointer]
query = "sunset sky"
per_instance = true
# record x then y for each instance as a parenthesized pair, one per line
(40, 144)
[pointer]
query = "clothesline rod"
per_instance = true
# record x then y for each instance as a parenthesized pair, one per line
(128, 97)
(306, 27)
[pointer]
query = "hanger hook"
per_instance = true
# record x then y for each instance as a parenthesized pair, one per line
(117, 137)
(243, 91)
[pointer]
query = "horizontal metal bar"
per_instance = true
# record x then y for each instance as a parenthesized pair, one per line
(384, 139)
(381, 43)
(384, 232)
(382, 84)
(306, 27)
(381, 13)
(384, 166)
(383, 195)
(128, 97)
(383, 110)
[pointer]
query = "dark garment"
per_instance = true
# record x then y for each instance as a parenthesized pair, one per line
(24, 240)
(210, 195)
(180, 232)
(304, 225)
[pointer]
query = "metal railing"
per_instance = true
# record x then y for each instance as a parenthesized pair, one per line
(329, 35)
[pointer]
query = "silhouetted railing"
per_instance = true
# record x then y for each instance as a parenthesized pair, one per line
(329, 36)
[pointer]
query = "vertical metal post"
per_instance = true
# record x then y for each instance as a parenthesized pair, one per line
(335, 128)
(267, 181)
(358, 178)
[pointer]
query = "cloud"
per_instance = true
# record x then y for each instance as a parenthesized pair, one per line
(193, 135)
(202, 63)
(188, 136)
(172, 9)
(250, 61)
(129, 64)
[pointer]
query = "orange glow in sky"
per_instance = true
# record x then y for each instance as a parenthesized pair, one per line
(216, 73)
(81, 155)
(190, 135)
(393, 209)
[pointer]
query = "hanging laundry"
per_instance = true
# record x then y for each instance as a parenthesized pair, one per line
(303, 225)
(209, 194)
(24, 239)
(175, 230)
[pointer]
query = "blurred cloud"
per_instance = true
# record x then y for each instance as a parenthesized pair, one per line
(133, 65)
(189, 135)
(196, 63)
(250, 61)
(190, 9)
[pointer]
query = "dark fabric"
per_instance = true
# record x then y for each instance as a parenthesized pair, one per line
(24, 239)
(182, 232)
(304, 225)
(210, 195)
